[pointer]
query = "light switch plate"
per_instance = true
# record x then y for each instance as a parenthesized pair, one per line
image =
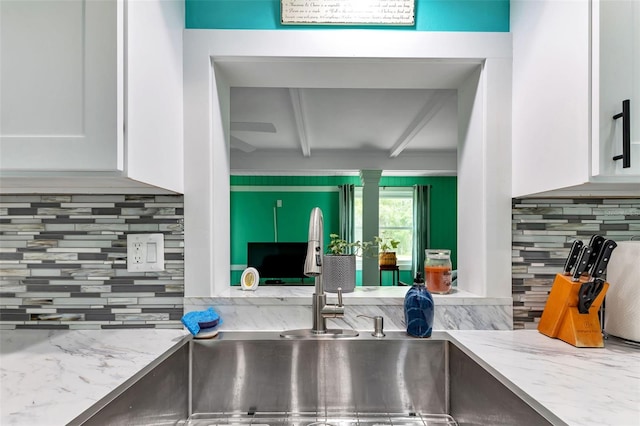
(145, 252)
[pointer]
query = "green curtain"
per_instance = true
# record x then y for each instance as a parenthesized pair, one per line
(420, 226)
(346, 211)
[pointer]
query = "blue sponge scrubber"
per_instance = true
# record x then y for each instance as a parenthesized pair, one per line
(193, 320)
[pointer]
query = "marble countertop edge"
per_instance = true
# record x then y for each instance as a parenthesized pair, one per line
(301, 295)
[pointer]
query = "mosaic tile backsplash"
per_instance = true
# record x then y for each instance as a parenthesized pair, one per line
(542, 232)
(63, 262)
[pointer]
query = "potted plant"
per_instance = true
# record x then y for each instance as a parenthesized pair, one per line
(385, 245)
(339, 264)
(339, 247)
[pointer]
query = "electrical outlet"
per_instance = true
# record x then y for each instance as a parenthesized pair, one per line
(145, 252)
(138, 256)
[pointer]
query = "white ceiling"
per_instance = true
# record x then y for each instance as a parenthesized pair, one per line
(337, 123)
(301, 116)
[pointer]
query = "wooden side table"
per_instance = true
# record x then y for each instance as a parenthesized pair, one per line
(395, 273)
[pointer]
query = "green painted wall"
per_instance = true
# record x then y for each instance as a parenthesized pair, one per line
(252, 212)
(252, 217)
(431, 15)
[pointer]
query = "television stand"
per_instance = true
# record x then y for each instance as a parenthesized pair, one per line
(274, 282)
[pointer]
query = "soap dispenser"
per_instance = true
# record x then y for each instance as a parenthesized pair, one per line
(418, 309)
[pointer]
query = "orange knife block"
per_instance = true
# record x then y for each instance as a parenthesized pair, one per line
(561, 319)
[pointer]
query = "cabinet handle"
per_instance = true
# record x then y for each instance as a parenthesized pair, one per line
(626, 134)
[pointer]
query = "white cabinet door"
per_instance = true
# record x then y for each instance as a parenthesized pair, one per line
(154, 92)
(59, 85)
(616, 77)
(550, 118)
(574, 62)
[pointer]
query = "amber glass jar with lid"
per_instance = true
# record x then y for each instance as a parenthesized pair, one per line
(437, 270)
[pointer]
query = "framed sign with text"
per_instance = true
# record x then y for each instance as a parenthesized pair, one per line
(348, 12)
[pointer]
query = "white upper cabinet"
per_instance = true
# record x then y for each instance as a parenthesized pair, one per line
(574, 62)
(616, 73)
(90, 95)
(59, 85)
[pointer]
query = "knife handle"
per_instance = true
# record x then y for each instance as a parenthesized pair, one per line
(596, 239)
(573, 257)
(595, 243)
(603, 259)
(581, 265)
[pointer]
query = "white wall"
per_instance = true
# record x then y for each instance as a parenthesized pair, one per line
(371, 59)
(484, 185)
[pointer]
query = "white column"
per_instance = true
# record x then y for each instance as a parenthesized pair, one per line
(206, 173)
(370, 214)
(484, 184)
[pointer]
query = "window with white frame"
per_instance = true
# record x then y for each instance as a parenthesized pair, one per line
(395, 219)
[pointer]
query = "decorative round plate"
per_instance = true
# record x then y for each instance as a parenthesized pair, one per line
(250, 279)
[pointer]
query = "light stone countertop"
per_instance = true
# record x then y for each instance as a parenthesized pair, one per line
(50, 377)
(366, 295)
(277, 308)
(581, 386)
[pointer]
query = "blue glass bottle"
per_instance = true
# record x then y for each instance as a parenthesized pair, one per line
(418, 309)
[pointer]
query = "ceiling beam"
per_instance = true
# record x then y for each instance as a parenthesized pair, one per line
(301, 128)
(426, 114)
(322, 161)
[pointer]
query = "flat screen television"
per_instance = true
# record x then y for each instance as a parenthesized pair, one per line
(277, 261)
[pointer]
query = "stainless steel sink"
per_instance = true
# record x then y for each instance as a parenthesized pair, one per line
(261, 379)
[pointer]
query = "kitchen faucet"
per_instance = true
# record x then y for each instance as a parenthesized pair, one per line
(313, 268)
